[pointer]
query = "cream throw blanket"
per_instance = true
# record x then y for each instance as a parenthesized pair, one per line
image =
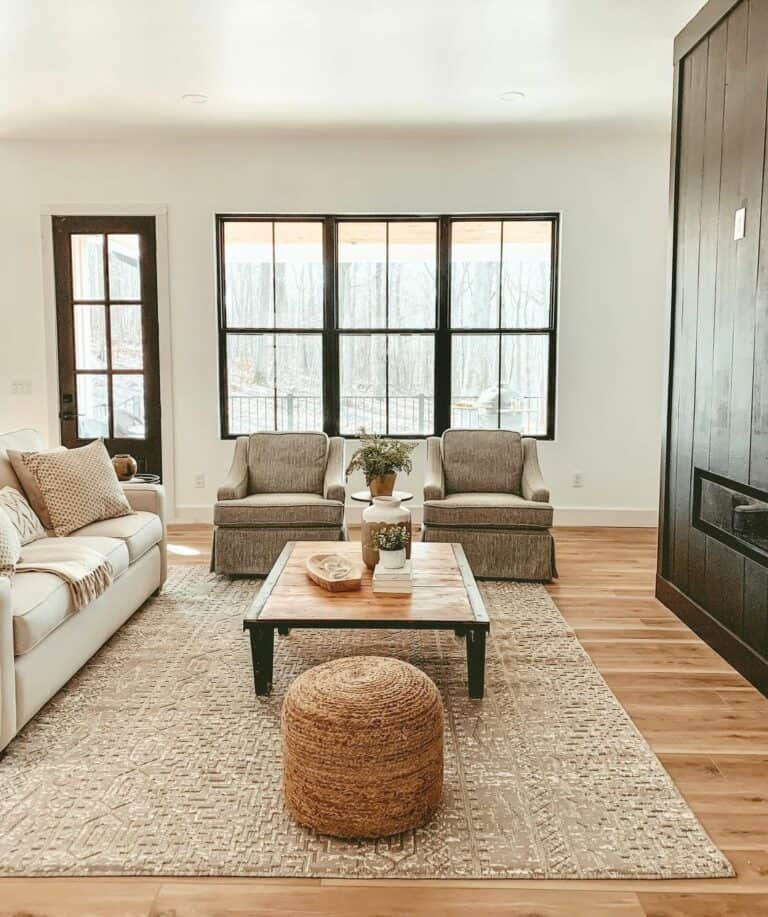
(84, 570)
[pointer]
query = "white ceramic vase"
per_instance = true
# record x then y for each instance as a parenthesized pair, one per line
(392, 560)
(382, 513)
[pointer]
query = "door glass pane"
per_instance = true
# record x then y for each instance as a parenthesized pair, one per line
(362, 273)
(363, 359)
(526, 270)
(299, 275)
(299, 372)
(524, 370)
(251, 382)
(127, 348)
(475, 254)
(92, 407)
(248, 274)
(411, 383)
(128, 406)
(87, 266)
(124, 269)
(475, 381)
(90, 337)
(412, 274)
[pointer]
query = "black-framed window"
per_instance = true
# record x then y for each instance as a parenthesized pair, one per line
(405, 325)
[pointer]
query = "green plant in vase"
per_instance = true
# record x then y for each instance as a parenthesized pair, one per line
(392, 541)
(380, 459)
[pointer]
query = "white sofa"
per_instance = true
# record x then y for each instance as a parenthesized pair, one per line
(42, 642)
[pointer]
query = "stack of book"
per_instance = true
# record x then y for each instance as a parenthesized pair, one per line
(394, 582)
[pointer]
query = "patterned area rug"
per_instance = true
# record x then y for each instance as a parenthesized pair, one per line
(157, 759)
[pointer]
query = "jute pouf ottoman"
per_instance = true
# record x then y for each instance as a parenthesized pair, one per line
(362, 747)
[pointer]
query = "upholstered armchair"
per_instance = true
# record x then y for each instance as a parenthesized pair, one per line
(484, 489)
(281, 487)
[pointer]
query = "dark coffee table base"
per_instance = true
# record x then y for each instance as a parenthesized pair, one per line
(262, 634)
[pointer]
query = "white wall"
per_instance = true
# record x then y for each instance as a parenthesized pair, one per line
(610, 188)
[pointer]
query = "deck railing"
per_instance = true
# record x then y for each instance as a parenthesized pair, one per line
(412, 414)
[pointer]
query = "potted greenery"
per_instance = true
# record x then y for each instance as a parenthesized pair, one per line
(392, 542)
(380, 459)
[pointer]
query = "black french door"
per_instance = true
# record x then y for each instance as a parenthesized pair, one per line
(106, 307)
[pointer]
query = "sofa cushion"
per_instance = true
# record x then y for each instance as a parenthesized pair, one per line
(140, 531)
(79, 486)
(10, 546)
(487, 510)
(22, 440)
(482, 461)
(40, 602)
(282, 509)
(16, 507)
(287, 463)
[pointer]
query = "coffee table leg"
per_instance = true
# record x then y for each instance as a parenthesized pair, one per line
(476, 661)
(262, 647)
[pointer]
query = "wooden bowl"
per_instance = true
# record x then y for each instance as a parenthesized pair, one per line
(334, 572)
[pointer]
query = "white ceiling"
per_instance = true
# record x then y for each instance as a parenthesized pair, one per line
(103, 68)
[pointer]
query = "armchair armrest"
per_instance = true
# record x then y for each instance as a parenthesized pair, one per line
(533, 485)
(7, 668)
(334, 487)
(434, 481)
(235, 487)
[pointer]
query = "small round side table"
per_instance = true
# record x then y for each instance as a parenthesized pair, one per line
(364, 496)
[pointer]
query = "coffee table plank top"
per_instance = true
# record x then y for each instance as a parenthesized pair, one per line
(444, 590)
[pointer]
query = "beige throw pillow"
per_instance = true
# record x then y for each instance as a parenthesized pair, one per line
(10, 546)
(78, 486)
(21, 515)
(29, 482)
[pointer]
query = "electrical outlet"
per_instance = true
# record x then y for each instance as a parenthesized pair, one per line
(577, 480)
(21, 386)
(199, 480)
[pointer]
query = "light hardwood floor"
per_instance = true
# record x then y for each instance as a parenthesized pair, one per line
(708, 726)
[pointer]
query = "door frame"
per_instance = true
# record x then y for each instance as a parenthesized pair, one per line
(160, 214)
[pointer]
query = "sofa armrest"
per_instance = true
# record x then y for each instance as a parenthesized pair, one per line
(434, 481)
(334, 487)
(235, 487)
(147, 498)
(150, 498)
(7, 666)
(533, 485)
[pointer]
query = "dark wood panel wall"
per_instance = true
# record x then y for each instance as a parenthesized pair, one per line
(718, 379)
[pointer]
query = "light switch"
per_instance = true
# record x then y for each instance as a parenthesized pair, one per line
(739, 224)
(21, 386)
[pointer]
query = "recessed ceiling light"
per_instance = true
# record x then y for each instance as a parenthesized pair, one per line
(194, 98)
(512, 95)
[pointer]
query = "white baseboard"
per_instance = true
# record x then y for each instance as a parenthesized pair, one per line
(620, 517)
(191, 513)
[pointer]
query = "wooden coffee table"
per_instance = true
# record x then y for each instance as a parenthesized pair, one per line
(445, 597)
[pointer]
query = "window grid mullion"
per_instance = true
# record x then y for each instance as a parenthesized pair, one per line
(442, 334)
(386, 323)
(108, 334)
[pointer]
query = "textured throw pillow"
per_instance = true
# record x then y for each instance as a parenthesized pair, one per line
(10, 546)
(21, 514)
(78, 486)
(29, 483)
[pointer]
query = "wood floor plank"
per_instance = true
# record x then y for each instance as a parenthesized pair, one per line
(350, 900)
(77, 897)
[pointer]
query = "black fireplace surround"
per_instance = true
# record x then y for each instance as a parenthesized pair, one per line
(733, 513)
